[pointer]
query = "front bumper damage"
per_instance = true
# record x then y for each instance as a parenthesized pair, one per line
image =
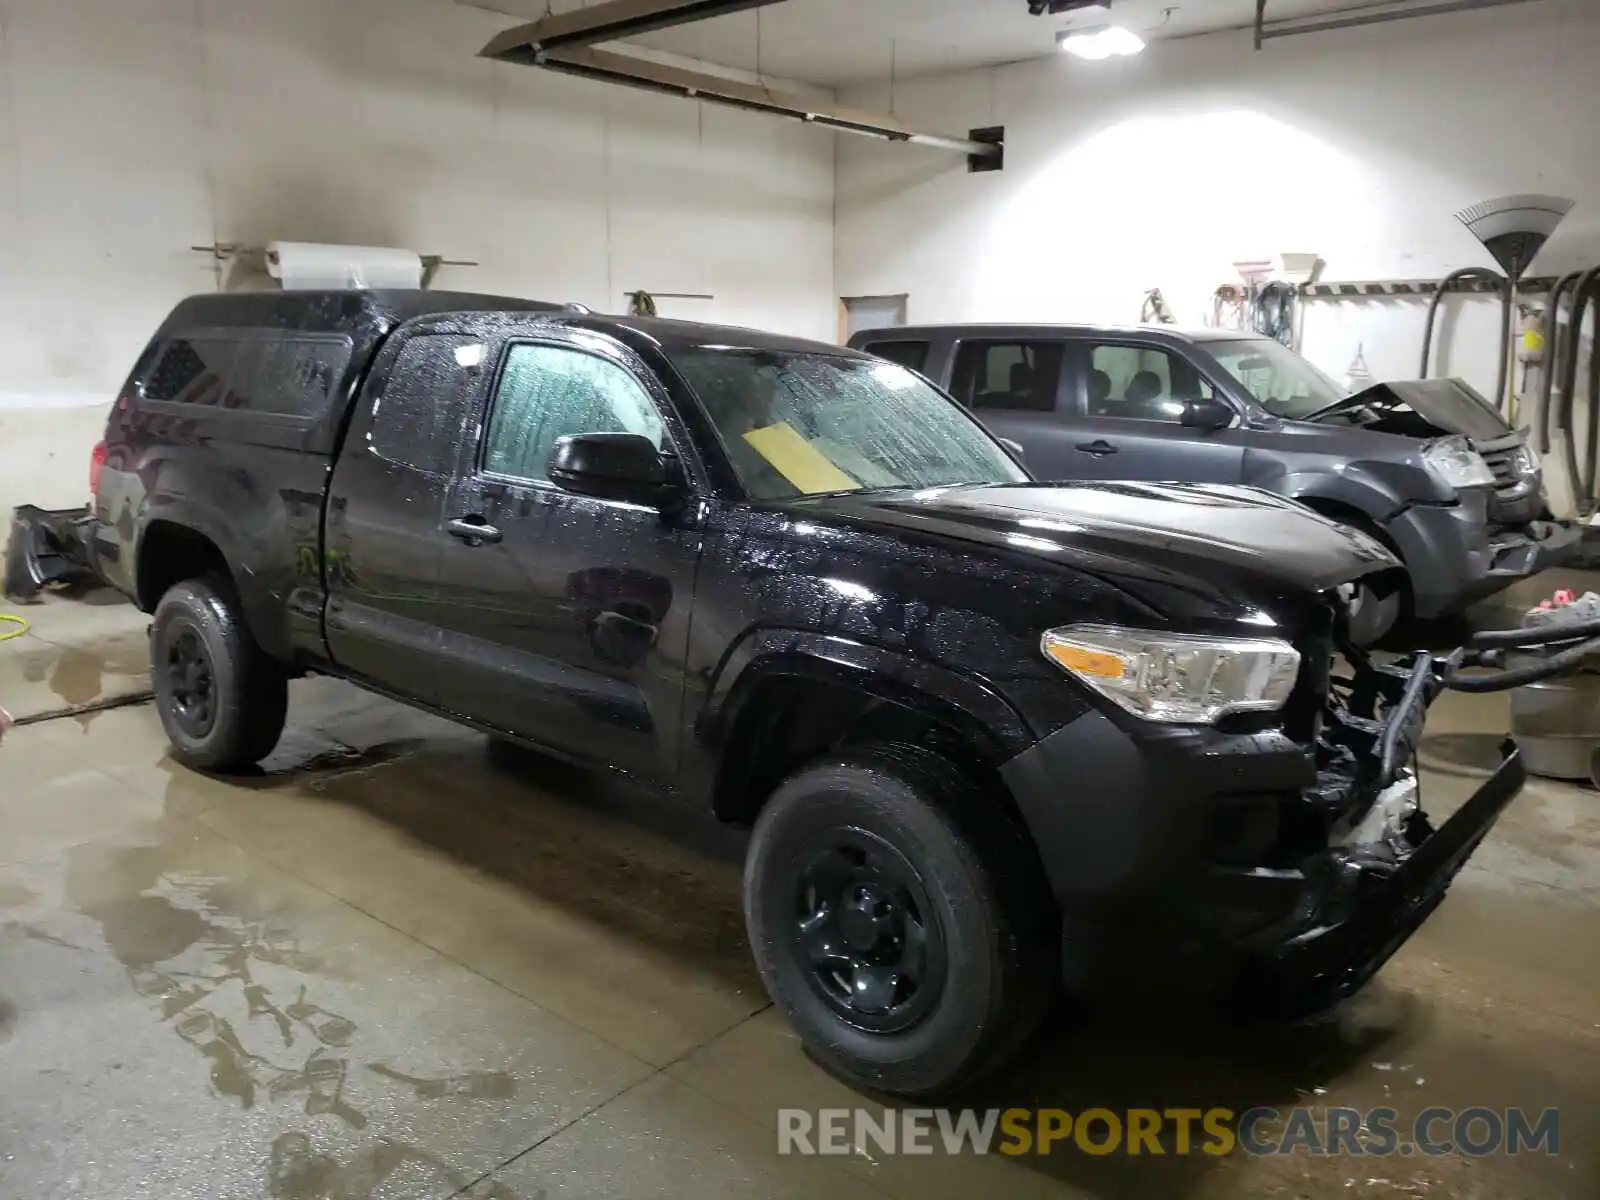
(48, 546)
(1387, 867)
(1457, 555)
(1279, 870)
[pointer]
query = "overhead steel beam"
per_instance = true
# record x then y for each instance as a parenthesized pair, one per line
(609, 22)
(631, 71)
(1292, 27)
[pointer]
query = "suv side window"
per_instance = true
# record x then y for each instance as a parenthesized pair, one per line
(1020, 376)
(1141, 383)
(906, 353)
(550, 392)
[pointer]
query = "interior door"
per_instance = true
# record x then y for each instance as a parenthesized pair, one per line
(870, 312)
(1130, 398)
(566, 617)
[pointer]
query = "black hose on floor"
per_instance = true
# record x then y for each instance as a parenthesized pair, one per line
(78, 710)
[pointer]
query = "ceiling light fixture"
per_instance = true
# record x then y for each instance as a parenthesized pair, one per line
(1103, 41)
(1076, 8)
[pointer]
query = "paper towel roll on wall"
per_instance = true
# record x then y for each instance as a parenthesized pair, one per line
(301, 265)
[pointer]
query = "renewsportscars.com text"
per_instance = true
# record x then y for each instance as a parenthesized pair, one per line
(1375, 1132)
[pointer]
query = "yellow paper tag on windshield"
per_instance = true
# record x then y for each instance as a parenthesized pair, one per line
(797, 460)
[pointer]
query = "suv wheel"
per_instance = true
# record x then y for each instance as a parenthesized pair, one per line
(1372, 615)
(899, 920)
(222, 701)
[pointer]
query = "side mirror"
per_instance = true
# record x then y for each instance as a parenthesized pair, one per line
(1205, 414)
(611, 466)
(1014, 447)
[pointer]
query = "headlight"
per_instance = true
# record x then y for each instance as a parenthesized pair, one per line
(1176, 677)
(1524, 462)
(1457, 464)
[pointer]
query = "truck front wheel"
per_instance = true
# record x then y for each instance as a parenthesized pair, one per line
(222, 701)
(899, 921)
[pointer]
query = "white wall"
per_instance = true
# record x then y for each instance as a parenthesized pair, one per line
(1163, 169)
(131, 130)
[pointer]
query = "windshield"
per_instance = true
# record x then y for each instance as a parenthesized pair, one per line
(1285, 384)
(800, 424)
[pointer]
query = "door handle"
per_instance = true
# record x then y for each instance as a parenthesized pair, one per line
(1099, 447)
(474, 531)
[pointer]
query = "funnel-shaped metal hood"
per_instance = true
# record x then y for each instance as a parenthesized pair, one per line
(1515, 228)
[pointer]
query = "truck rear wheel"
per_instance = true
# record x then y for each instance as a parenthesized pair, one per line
(222, 701)
(899, 921)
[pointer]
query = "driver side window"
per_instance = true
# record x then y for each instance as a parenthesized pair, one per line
(1141, 383)
(549, 392)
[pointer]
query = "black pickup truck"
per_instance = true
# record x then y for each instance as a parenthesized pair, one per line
(983, 728)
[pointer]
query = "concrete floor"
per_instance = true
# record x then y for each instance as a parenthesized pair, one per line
(385, 968)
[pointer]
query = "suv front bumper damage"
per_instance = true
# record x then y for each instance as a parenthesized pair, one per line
(1239, 861)
(1456, 555)
(48, 546)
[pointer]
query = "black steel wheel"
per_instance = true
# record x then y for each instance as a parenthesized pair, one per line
(870, 932)
(899, 920)
(221, 699)
(191, 681)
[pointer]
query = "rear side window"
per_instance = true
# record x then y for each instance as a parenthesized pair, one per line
(288, 377)
(276, 376)
(1022, 376)
(192, 371)
(906, 353)
(417, 416)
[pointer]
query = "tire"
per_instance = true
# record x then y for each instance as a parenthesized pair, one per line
(222, 700)
(1373, 616)
(933, 852)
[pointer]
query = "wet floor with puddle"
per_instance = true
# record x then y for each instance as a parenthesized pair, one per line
(390, 965)
(55, 668)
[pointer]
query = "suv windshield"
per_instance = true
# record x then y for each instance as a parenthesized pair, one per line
(798, 424)
(1285, 384)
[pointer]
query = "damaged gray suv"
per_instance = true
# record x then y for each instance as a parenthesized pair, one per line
(1428, 468)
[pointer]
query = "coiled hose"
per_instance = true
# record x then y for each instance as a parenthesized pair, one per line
(7, 635)
(1272, 311)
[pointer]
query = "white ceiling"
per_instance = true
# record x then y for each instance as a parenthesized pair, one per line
(837, 42)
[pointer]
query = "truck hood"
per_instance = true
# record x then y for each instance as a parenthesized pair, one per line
(1223, 535)
(1424, 408)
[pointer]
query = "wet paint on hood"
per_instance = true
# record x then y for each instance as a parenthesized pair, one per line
(1210, 531)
